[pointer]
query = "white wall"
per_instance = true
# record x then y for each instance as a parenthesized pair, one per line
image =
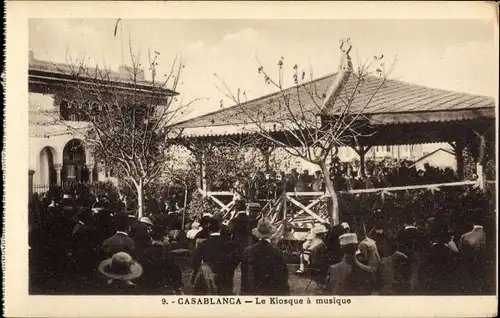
(440, 159)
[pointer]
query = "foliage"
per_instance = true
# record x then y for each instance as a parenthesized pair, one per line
(198, 205)
(106, 189)
(457, 206)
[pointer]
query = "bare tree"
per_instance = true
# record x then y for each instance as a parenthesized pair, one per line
(310, 124)
(126, 121)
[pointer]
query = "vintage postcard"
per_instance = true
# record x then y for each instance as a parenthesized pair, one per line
(274, 159)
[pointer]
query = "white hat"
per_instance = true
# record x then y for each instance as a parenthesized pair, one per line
(145, 220)
(207, 214)
(345, 225)
(348, 238)
(319, 229)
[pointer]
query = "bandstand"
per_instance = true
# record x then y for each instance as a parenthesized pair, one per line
(398, 114)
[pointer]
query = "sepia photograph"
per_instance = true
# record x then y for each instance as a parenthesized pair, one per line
(263, 157)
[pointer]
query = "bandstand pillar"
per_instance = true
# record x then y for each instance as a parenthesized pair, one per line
(458, 147)
(481, 178)
(361, 150)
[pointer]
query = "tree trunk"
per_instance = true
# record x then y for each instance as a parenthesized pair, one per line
(140, 199)
(333, 205)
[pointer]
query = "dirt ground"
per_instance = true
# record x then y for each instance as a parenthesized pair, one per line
(298, 283)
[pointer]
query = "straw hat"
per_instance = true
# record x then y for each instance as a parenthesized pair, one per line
(264, 229)
(121, 266)
(348, 238)
(146, 220)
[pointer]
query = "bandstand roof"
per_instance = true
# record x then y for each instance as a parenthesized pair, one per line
(394, 108)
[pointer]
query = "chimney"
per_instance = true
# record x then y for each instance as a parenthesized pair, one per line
(31, 55)
(127, 72)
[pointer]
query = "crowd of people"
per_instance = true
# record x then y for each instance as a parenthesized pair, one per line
(272, 184)
(102, 249)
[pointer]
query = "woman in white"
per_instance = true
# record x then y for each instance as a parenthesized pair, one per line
(314, 239)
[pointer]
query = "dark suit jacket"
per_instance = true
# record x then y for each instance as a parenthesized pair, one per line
(264, 270)
(221, 255)
(173, 221)
(240, 230)
(118, 243)
(438, 273)
(160, 269)
(415, 237)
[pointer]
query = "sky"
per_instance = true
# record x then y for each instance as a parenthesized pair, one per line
(456, 55)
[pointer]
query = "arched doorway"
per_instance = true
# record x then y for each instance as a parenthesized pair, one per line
(74, 168)
(47, 171)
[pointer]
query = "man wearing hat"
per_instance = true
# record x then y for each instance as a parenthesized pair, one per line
(120, 269)
(220, 255)
(240, 227)
(313, 245)
(141, 232)
(345, 278)
(120, 242)
(263, 269)
(84, 244)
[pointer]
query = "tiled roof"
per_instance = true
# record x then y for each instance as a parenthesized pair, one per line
(38, 69)
(395, 102)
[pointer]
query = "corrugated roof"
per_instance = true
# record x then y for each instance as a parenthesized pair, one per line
(395, 102)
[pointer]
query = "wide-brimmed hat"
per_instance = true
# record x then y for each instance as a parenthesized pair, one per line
(121, 266)
(348, 238)
(264, 229)
(319, 229)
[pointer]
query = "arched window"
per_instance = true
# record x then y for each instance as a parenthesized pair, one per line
(73, 110)
(64, 110)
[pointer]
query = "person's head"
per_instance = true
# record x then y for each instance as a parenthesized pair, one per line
(408, 221)
(85, 215)
(214, 225)
(146, 221)
(239, 206)
(195, 225)
(320, 230)
(317, 173)
(205, 221)
(420, 224)
(349, 243)
(122, 222)
(345, 226)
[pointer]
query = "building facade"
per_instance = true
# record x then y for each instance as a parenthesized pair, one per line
(57, 150)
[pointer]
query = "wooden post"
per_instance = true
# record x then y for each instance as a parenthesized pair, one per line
(458, 147)
(480, 160)
(361, 150)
